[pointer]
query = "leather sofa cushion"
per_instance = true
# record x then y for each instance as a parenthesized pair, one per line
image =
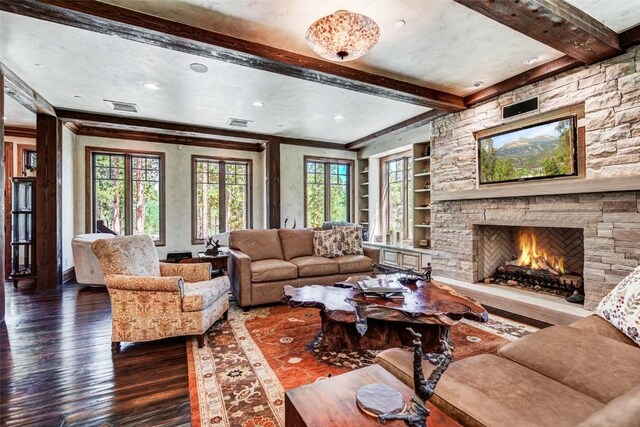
(353, 263)
(487, 390)
(258, 244)
(268, 270)
(296, 243)
(595, 324)
(596, 366)
(200, 295)
(623, 411)
(309, 266)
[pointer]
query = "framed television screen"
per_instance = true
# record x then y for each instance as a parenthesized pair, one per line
(546, 149)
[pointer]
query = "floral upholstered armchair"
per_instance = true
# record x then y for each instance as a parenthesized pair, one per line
(152, 300)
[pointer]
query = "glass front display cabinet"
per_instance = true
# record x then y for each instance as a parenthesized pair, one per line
(22, 230)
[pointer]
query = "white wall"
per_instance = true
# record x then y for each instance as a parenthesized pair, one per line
(177, 185)
(292, 179)
(68, 196)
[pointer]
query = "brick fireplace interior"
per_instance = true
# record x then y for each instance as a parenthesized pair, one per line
(540, 259)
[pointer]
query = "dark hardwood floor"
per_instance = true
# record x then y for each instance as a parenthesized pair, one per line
(56, 366)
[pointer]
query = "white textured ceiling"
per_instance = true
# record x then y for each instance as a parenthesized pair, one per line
(16, 114)
(619, 15)
(443, 45)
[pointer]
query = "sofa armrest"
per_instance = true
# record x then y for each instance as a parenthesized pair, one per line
(190, 272)
(240, 276)
(145, 283)
(373, 253)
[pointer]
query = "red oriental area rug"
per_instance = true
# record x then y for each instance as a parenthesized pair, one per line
(240, 376)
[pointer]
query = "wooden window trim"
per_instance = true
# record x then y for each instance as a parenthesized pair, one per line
(22, 150)
(327, 201)
(194, 159)
(89, 187)
(384, 184)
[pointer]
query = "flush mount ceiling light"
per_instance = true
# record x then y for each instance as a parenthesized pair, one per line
(338, 118)
(343, 36)
(199, 68)
(151, 86)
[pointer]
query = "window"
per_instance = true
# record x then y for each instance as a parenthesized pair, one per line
(327, 191)
(221, 198)
(127, 192)
(397, 195)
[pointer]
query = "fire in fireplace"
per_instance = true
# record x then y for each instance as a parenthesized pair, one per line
(537, 259)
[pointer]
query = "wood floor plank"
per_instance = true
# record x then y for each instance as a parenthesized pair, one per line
(56, 367)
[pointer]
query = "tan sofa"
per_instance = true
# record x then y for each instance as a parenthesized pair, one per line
(262, 262)
(586, 374)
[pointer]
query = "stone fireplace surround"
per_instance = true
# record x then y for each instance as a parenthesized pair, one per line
(611, 223)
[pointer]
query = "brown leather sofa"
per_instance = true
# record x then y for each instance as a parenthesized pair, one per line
(262, 262)
(586, 374)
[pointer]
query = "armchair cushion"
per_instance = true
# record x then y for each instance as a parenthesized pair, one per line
(200, 295)
(190, 272)
(269, 270)
(133, 255)
(142, 283)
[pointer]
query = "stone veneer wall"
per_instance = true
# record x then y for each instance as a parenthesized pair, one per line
(610, 91)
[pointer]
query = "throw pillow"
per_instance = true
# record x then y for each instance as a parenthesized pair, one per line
(326, 244)
(621, 307)
(350, 239)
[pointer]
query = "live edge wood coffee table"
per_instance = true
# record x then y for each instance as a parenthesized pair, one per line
(332, 402)
(352, 321)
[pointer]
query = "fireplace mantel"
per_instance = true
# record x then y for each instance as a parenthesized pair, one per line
(543, 188)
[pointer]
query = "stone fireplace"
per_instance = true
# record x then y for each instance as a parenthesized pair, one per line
(543, 259)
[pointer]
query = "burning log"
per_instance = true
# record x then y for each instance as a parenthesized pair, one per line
(514, 270)
(542, 265)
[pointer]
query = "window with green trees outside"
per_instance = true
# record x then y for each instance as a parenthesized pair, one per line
(328, 190)
(221, 196)
(127, 192)
(398, 196)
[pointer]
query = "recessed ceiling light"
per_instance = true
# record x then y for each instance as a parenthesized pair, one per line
(199, 68)
(532, 60)
(477, 84)
(77, 96)
(280, 126)
(258, 104)
(38, 65)
(400, 24)
(338, 118)
(151, 86)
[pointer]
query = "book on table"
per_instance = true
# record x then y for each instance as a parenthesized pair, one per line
(382, 288)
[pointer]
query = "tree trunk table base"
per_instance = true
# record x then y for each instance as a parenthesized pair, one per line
(351, 320)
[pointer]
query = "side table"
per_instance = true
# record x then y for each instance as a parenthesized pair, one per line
(218, 262)
(332, 402)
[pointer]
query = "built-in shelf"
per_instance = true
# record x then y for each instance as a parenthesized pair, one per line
(422, 159)
(364, 183)
(422, 225)
(365, 171)
(422, 174)
(422, 208)
(422, 190)
(364, 223)
(365, 196)
(364, 209)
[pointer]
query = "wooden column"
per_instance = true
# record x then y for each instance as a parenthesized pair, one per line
(2, 224)
(273, 184)
(48, 256)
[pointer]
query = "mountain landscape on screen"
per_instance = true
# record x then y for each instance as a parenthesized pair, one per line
(538, 151)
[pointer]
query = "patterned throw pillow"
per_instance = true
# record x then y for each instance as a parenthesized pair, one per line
(350, 239)
(326, 244)
(622, 306)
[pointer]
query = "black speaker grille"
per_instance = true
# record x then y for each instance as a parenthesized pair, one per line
(520, 108)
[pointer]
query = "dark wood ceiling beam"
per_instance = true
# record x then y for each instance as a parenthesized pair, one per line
(132, 125)
(397, 129)
(136, 26)
(555, 23)
(19, 131)
(17, 89)
(631, 37)
(533, 75)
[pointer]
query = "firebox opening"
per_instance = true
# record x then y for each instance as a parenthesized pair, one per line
(542, 259)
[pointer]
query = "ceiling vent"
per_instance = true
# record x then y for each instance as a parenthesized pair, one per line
(122, 106)
(240, 123)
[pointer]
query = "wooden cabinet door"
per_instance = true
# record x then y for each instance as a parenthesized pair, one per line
(411, 261)
(390, 257)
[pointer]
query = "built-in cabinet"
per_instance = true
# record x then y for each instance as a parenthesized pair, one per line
(22, 229)
(415, 259)
(363, 195)
(422, 195)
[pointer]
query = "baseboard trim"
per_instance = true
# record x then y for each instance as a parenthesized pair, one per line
(68, 275)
